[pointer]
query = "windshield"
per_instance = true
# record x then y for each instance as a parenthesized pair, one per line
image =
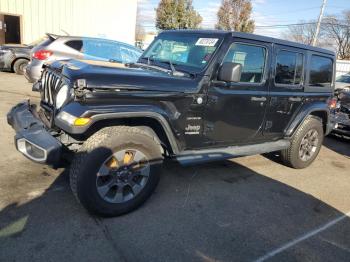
(186, 52)
(344, 79)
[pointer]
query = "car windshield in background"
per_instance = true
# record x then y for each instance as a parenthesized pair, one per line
(107, 50)
(187, 52)
(344, 79)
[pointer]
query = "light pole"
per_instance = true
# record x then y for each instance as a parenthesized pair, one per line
(314, 41)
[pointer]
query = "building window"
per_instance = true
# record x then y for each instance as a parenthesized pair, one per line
(251, 57)
(321, 71)
(289, 68)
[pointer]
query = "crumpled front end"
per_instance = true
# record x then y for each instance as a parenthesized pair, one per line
(32, 138)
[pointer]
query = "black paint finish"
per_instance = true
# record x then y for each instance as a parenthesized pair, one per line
(195, 111)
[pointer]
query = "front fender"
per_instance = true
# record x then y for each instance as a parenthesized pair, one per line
(97, 114)
(315, 108)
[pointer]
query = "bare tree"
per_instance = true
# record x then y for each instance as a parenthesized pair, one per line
(338, 29)
(234, 15)
(139, 33)
(301, 33)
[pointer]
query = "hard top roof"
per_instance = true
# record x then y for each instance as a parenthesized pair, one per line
(254, 37)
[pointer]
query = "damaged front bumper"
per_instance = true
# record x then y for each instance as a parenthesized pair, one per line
(342, 124)
(32, 138)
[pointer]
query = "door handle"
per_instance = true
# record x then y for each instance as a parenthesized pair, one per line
(294, 99)
(259, 99)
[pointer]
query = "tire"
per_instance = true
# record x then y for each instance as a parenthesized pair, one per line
(19, 66)
(105, 145)
(294, 155)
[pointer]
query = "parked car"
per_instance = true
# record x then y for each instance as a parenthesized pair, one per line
(72, 47)
(343, 82)
(223, 95)
(14, 58)
(342, 114)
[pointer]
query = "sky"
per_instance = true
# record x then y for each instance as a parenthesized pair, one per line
(265, 13)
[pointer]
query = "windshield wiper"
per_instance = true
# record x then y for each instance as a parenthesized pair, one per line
(174, 72)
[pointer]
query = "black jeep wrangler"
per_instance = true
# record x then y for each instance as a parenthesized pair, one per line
(193, 96)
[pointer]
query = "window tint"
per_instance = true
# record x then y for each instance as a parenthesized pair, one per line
(289, 68)
(252, 58)
(321, 71)
(75, 44)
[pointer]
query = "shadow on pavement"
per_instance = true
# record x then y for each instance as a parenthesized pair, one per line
(220, 211)
(338, 144)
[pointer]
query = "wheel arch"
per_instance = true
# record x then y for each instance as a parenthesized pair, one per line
(16, 59)
(155, 125)
(321, 112)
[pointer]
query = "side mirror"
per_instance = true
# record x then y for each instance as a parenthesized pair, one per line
(230, 72)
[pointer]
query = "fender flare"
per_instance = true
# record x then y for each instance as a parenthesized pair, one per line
(124, 115)
(306, 111)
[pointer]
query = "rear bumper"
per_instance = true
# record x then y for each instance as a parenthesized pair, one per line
(32, 138)
(32, 72)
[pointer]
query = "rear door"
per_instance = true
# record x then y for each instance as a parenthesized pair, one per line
(286, 89)
(235, 111)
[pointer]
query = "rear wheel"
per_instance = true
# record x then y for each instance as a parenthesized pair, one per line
(19, 66)
(305, 144)
(116, 170)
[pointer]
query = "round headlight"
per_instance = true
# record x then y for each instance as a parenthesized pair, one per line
(62, 96)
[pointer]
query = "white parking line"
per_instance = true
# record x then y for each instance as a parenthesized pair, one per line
(302, 238)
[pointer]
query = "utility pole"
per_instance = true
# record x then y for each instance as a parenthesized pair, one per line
(314, 41)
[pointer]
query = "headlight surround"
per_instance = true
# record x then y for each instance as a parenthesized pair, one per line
(62, 96)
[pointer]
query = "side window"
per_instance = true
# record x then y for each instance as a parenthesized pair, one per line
(289, 68)
(321, 71)
(251, 57)
(75, 44)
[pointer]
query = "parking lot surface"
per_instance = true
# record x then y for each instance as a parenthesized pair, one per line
(246, 209)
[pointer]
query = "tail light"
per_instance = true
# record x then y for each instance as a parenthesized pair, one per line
(332, 103)
(42, 54)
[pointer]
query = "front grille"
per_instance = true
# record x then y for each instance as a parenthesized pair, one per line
(50, 85)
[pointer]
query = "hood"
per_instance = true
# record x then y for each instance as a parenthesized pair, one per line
(340, 85)
(344, 98)
(105, 75)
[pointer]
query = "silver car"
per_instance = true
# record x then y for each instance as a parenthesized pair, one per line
(72, 47)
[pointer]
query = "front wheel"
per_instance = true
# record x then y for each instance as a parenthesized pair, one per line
(305, 144)
(116, 170)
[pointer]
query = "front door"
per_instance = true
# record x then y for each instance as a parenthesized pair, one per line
(235, 111)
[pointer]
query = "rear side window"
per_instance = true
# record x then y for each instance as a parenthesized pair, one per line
(289, 68)
(251, 57)
(75, 44)
(321, 71)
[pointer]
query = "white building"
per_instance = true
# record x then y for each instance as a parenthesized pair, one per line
(24, 21)
(343, 67)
